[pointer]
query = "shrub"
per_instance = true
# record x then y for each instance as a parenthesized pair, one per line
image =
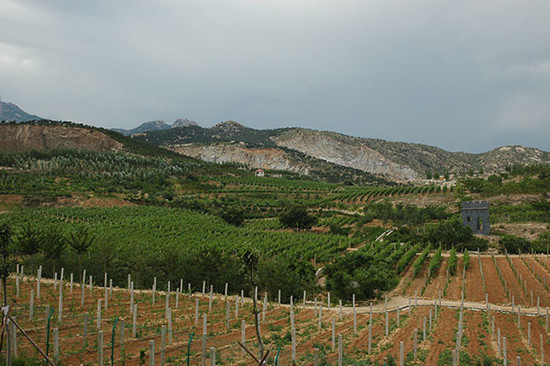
(406, 258)
(336, 229)
(360, 273)
(452, 262)
(435, 262)
(466, 259)
(233, 216)
(297, 217)
(417, 265)
(449, 232)
(514, 244)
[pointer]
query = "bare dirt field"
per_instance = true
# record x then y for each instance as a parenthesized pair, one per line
(76, 348)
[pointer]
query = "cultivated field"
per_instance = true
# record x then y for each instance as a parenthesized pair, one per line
(440, 309)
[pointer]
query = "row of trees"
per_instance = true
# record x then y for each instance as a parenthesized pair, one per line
(515, 244)
(402, 214)
(294, 217)
(78, 250)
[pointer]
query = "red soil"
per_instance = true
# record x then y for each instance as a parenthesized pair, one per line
(454, 287)
(437, 283)
(495, 289)
(474, 284)
(512, 282)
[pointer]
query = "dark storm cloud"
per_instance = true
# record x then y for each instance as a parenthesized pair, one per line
(468, 75)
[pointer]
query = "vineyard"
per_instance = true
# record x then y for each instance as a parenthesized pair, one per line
(149, 228)
(177, 180)
(420, 322)
(153, 255)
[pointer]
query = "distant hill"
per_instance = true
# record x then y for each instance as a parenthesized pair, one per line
(11, 112)
(63, 135)
(49, 135)
(156, 126)
(397, 161)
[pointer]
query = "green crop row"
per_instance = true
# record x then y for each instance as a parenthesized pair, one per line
(417, 265)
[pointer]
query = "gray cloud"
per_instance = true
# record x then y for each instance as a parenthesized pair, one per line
(465, 76)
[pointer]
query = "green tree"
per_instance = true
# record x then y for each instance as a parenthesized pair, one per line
(233, 216)
(449, 233)
(297, 217)
(53, 246)
(105, 250)
(80, 242)
(5, 251)
(292, 277)
(336, 229)
(542, 243)
(360, 273)
(515, 244)
(474, 185)
(28, 242)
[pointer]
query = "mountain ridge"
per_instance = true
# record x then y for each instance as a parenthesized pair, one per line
(157, 125)
(321, 154)
(398, 161)
(12, 112)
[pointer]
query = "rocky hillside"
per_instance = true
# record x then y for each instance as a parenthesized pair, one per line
(397, 161)
(268, 158)
(11, 112)
(278, 159)
(25, 137)
(49, 135)
(346, 151)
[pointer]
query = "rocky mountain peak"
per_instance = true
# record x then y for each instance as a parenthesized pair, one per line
(11, 112)
(157, 124)
(229, 126)
(184, 122)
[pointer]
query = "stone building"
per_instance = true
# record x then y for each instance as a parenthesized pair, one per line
(475, 215)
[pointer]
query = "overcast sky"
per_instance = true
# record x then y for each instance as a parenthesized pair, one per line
(462, 75)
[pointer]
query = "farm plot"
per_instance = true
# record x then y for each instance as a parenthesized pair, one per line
(453, 290)
(495, 289)
(436, 285)
(516, 290)
(531, 285)
(166, 323)
(475, 283)
(505, 279)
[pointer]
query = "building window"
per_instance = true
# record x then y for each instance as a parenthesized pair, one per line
(479, 224)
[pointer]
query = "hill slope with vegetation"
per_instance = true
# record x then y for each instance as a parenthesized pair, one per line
(393, 160)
